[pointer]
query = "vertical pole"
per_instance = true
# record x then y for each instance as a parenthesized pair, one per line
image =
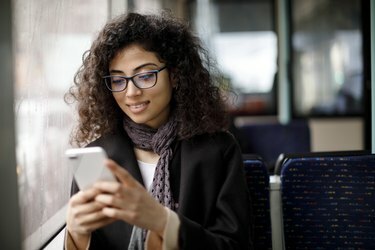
(203, 10)
(10, 226)
(277, 226)
(372, 28)
(284, 109)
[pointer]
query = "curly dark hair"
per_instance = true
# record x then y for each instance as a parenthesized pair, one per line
(197, 100)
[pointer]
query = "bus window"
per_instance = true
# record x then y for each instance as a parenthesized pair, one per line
(49, 40)
(327, 58)
(241, 37)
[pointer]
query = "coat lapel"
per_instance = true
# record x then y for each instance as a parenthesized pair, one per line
(120, 149)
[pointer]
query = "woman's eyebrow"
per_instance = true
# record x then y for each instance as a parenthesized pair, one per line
(134, 70)
(116, 71)
(144, 65)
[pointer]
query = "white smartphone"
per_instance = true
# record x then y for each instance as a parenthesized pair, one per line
(89, 166)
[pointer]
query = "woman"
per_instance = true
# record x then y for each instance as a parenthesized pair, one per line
(146, 95)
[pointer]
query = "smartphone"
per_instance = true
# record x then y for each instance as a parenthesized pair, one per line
(88, 164)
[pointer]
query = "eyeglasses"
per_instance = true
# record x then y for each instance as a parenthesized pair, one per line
(143, 80)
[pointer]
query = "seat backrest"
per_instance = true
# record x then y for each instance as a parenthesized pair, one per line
(269, 140)
(328, 200)
(258, 183)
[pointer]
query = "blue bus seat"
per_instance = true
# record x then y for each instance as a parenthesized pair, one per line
(328, 200)
(269, 140)
(258, 183)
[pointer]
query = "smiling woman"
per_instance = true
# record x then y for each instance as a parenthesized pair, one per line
(146, 95)
(146, 99)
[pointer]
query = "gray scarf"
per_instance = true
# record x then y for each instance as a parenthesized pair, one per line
(159, 141)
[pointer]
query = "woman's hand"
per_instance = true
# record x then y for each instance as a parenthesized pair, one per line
(128, 200)
(84, 216)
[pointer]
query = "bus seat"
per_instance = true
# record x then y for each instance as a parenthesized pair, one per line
(258, 183)
(328, 200)
(269, 140)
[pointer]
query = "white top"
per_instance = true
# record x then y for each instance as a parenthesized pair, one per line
(147, 171)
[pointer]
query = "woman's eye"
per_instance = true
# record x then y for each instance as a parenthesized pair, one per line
(146, 76)
(118, 80)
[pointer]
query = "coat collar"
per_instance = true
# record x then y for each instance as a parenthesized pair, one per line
(119, 148)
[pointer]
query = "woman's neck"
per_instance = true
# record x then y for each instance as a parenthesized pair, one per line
(146, 156)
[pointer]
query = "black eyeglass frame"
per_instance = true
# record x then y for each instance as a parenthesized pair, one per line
(131, 78)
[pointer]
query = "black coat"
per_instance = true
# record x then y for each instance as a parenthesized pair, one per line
(207, 180)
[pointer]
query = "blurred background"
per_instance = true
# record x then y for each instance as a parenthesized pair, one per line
(314, 52)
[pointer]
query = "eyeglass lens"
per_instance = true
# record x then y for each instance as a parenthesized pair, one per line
(142, 81)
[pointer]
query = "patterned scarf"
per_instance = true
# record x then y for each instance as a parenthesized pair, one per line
(159, 141)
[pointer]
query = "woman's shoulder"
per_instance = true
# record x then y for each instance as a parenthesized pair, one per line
(110, 139)
(219, 141)
(214, 151)
(221, 136)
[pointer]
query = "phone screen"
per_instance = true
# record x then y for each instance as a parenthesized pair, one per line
(88, 164)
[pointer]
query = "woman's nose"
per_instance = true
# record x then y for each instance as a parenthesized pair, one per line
(132, 90)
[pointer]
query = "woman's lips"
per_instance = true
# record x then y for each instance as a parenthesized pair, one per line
(138, 107)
